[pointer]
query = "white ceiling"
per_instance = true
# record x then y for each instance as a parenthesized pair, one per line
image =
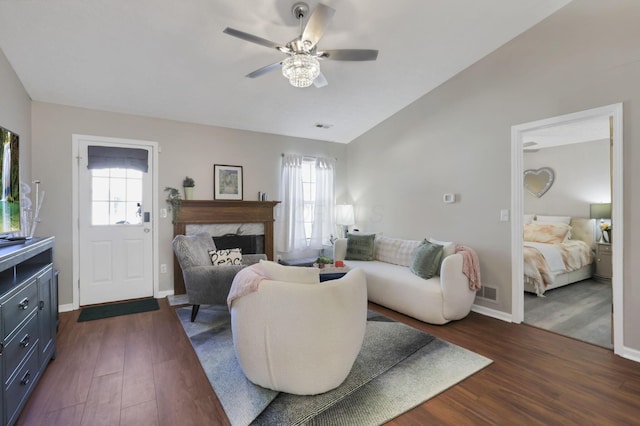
(169, 58)
(587, 130)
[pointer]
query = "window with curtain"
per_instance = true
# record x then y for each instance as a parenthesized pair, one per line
(307, 190)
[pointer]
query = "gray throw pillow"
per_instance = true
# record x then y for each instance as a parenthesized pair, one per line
(360, 247)
(426, 260)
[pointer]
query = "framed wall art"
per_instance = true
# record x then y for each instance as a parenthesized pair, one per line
(227, 182)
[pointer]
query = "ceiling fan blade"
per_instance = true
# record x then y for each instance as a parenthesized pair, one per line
(320, 81)
(265, 70)
(349, 55)
(254, 39)
(317, 24)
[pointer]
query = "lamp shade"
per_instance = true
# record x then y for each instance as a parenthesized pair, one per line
(344, 214)
(600, 211)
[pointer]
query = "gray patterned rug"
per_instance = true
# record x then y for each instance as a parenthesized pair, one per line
(397, 369)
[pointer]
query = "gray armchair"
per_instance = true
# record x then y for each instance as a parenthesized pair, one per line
(206, 284)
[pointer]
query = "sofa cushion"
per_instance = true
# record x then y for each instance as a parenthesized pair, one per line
(448, 248)
(291, 274)
(360, 247)
(225, 257)
(426, 260)
(395, 250)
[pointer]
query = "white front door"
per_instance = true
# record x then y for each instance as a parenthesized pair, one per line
(115, 232)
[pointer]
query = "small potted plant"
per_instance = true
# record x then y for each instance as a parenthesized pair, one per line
(323, 261)
(188, 184)
(174, 199)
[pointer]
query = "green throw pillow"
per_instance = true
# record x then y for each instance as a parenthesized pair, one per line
(360, 247)
(426, 260)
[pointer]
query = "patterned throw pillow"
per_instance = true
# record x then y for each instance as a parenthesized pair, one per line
(426, 260)
(360, 247)
(395, 250)
(226, 257)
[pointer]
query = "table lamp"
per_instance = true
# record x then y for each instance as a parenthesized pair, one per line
(345, 217)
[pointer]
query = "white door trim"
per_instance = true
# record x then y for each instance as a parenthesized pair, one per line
(75, 238)
(517, 267)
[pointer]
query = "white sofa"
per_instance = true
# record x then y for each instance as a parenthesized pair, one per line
(438, 300)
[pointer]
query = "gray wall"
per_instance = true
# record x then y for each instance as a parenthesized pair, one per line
(457, 139)
(187, 149)
(582, 177)
(15, 113)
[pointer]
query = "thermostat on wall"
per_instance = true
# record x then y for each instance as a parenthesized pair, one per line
(449, 198)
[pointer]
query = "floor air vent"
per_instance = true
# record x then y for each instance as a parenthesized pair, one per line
(489, 293)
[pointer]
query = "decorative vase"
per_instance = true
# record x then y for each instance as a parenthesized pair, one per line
(188, 192)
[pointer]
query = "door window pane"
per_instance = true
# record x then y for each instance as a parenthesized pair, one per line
(116, 196)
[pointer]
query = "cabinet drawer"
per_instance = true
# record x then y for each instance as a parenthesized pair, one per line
(18, 307)
(604, 249)
(17, 389)
(16, 349)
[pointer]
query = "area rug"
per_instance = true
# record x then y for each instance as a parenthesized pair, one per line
(397, 369)
(117, 309)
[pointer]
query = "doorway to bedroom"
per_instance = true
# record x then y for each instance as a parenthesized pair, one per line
(567, 176)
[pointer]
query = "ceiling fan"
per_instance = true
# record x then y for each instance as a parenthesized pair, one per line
(301, 66)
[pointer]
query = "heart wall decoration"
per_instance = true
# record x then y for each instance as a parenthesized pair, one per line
(538, 182)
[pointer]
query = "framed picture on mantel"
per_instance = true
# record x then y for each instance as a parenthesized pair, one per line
(227, 182)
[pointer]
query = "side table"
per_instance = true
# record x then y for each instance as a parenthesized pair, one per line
(332, 273)
(604, 269)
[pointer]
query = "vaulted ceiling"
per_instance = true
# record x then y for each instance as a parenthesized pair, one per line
(170, 59)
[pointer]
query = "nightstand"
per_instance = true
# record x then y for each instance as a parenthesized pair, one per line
(604, 269)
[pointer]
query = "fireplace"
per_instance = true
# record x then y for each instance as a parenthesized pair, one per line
(248, 223)
(249, 244)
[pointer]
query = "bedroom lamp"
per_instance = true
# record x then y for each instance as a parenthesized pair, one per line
(600, 211)
(345, 217)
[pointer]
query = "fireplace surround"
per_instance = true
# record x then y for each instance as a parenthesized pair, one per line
(209, 212)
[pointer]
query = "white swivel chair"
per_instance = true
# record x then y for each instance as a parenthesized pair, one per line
(300, 338)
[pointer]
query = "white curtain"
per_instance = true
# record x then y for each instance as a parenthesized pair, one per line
(323, 221)
(291, 236)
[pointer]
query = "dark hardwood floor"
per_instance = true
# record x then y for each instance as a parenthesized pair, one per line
(141, 370)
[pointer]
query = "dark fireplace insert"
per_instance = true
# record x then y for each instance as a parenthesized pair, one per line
(250, 244)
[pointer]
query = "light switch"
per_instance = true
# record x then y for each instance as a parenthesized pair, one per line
(504, 215)
(163, 213)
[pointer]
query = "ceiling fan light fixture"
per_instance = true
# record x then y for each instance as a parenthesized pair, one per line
(301, 69)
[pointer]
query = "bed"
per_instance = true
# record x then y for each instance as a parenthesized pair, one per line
(558, 250)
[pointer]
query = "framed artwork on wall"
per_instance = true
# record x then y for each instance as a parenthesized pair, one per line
(227, 182)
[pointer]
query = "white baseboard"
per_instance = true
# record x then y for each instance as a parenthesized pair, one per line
(631, 354)
(162, 294)
(492, 313)
(65, 308)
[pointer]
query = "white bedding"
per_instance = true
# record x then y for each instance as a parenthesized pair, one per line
(551, 254)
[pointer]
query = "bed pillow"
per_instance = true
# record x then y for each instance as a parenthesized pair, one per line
(550, 233)
(394, 250)
(555, 219)
(226, 257)
(426, 260)
(528, 218)
(360, 247)
(290, 274)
